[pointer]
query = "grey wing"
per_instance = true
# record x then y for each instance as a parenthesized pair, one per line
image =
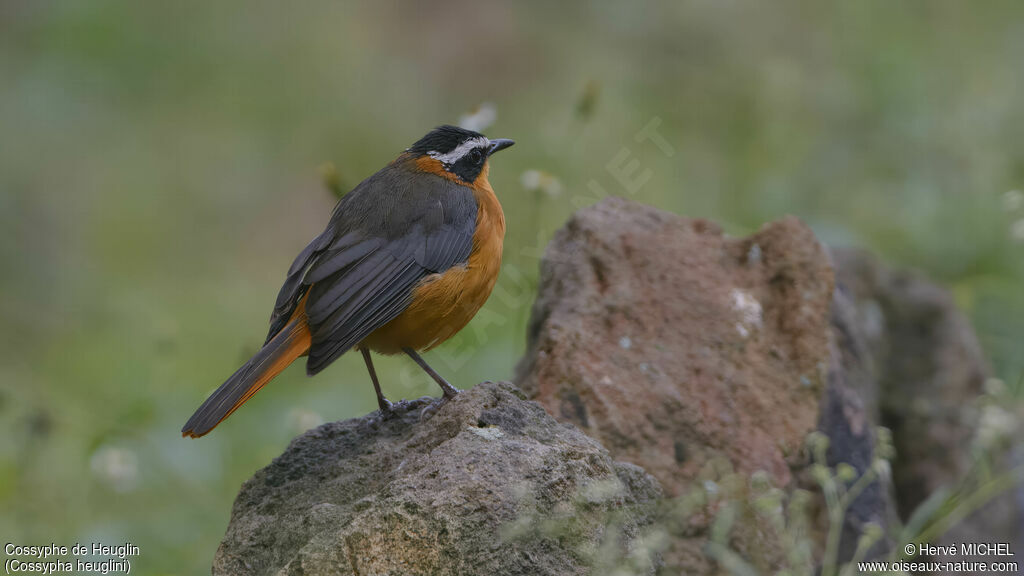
(385, 240)
(293, 288)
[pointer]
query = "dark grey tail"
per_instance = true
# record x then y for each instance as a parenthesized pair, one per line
(290, 343)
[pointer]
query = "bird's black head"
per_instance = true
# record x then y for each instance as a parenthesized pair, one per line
(460, 152)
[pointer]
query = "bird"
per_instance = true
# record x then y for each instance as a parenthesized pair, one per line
(406, 260)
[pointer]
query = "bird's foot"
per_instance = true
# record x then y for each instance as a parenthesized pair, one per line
(390, 409)
(432, 405)
(386, 406)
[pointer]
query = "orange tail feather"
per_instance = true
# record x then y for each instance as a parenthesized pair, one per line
(290, 343)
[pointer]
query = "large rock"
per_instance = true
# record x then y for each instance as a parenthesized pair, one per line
(487, 484)
(674, 344)
(928, 367)
(928, 372)
(679, 347)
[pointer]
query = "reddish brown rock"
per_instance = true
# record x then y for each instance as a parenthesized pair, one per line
(679, 347)
(674, 344)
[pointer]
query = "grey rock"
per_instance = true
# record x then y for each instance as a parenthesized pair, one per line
(487, 483)
(927, 371)
(848, 417)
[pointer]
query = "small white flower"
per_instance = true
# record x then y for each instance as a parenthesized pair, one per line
(625, 343)
(300, 420)
(116, 467)
(479, 119)
(1013, 200)
(1017, 230)
(530, 179)
(882, 468)
(539, 180)
(996, 423)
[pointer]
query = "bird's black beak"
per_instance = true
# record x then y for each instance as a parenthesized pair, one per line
(499, 144)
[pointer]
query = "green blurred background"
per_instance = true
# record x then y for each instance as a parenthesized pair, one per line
(161, 164)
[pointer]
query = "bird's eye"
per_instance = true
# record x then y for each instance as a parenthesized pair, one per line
(476, 156)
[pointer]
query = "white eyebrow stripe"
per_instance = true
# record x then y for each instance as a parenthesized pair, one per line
(453, 156)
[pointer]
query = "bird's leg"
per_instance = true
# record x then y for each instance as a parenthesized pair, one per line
(385, 405)
(449, 390)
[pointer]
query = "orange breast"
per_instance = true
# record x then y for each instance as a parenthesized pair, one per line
(444, 303)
